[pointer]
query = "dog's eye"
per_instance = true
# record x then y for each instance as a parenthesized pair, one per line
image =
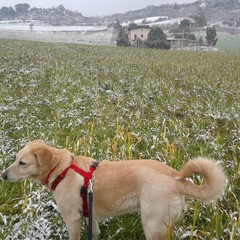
(21, 163)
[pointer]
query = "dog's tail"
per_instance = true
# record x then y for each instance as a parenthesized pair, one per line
(214, 178)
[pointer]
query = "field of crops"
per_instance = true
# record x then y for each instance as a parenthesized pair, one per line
(119, 103)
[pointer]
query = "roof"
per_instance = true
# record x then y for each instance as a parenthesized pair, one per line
(138, 27)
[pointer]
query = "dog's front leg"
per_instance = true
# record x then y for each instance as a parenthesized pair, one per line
(72, 217)
(69, 206)
(73, 223)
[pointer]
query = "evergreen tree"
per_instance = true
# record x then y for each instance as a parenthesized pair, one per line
(22, 8)
(185, 25)
(157, 39)
(122, 37)
(7, 12)
(211, 37)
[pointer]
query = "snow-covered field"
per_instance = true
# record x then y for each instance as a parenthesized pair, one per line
(40, 27)
(118, 103)
(71, 34)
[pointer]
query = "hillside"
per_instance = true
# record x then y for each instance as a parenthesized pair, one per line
(56, 16)
(214, 10)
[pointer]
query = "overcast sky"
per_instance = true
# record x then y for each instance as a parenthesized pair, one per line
(93, 7)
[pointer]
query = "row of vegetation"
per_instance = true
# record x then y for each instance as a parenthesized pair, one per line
(119, 103)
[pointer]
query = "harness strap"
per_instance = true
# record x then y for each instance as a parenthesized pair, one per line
(46, 181)
(84, 190)
(59, 179)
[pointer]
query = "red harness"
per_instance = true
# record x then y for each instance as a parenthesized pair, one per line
(86, 175)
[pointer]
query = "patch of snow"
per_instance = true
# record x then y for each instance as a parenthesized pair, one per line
(20, 26)
(203, 5)
(148, 20)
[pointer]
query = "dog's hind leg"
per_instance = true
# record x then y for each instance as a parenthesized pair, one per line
(154, 229)
(156, 221)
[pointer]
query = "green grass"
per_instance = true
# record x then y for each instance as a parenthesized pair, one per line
(228, 42)
(119, 103)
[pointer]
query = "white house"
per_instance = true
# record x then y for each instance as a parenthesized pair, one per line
(139, 33)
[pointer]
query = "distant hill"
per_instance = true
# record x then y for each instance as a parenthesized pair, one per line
(214, 11)
(54, 16)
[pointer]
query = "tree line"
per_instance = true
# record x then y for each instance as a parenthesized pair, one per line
(18, 10)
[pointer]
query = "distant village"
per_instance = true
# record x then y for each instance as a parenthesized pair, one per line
(180, 30)
(165, 33)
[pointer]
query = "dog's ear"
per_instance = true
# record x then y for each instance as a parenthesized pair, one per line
(44, 156)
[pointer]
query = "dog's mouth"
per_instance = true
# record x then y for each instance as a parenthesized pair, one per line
(5, 176)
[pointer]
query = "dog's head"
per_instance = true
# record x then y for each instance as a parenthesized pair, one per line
(32, 162)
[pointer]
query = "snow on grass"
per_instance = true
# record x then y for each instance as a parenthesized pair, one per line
(34, 221)
(39, 27)
(118, 103)
(101, 35)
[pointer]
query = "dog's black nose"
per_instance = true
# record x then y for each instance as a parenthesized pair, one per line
(4, 175)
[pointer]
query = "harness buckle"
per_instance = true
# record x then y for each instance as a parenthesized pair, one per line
(84, 191)
(90, 190)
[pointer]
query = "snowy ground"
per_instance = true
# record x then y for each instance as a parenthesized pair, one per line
(100, 35)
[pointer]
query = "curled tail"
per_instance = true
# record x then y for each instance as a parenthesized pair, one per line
(214, 178)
